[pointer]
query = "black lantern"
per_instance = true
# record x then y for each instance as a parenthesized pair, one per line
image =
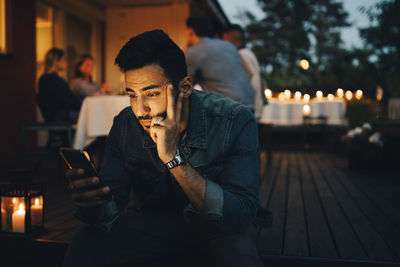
(21, 208)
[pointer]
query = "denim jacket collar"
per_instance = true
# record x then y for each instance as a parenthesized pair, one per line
(196, 130)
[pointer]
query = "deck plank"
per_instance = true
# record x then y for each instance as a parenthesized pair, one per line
(322, 244)
(371, 241)
(271, 240)
(348, 245)
(296, 240)
(383, 224)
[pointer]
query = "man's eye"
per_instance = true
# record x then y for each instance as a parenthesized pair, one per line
(152, 94)
(132, 96)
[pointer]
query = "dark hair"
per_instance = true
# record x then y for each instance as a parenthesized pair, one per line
(51, 56)
(201, 25)
(241, 35)
(79, 62)
(153, 47)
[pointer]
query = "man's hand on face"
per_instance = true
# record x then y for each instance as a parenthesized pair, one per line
(86, 191)
(166, 134)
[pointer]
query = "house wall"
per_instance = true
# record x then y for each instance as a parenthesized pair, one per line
(17, 77)
(124, 23)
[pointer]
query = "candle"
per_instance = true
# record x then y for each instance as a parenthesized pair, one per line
(18, 219)
(306, 110)
(340, 92)
(306, 98)
(359, 94)
(268, 93)
(36, 213)
(287, 94)
(297, 96)
(319, 94)
(349, 95)
(281, 97)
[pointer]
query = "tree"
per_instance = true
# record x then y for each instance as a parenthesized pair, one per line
(327, 18)
(293, 30)
(384, 40)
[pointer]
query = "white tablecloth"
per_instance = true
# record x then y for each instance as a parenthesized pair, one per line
(288, 113)
(96, 117)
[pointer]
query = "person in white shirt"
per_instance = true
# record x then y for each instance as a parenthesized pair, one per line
(235, 34)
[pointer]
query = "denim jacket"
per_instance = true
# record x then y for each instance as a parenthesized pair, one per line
(220, 144)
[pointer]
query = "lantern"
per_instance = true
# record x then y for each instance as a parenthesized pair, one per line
(21, 208)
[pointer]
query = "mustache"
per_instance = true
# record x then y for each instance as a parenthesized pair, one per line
(148, 117)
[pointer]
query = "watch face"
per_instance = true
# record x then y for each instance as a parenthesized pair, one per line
(178, 158)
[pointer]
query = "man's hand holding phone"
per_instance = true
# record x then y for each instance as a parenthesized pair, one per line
(87, 191)
(84, 183)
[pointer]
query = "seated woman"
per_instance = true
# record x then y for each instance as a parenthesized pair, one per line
(55, 99)
(83, 84)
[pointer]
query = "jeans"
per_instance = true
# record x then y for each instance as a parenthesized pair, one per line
(161, 238)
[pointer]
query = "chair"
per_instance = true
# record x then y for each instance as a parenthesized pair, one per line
(59, 134)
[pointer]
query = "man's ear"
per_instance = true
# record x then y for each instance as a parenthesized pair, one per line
(186, 86)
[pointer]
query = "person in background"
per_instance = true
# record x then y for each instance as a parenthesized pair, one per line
(216, 64)
(83, 84)
(55, 99)
(235, 34)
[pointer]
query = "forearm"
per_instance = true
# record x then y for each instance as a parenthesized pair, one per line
(192, 183)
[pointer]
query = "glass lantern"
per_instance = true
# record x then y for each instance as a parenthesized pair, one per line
(21, 209)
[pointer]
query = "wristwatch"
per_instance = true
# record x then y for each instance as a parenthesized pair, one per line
(176, 161)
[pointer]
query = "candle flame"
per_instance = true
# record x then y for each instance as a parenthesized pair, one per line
(287, 94)
(21, 207)
(37, 202)
(297, 95)
(330, 97)
(340, 92)
(306, 98)
(359, 94)
(349, 95)
(306, 110)
(268, 93)
(319, 94)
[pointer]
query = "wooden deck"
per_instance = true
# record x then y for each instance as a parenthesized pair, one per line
(322, 212)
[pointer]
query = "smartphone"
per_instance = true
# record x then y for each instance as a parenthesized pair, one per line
(76, 158)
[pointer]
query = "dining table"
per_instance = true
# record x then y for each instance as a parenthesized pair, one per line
(290, 112)
(96, 117)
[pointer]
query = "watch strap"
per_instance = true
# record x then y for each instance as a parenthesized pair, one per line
(176, 161)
